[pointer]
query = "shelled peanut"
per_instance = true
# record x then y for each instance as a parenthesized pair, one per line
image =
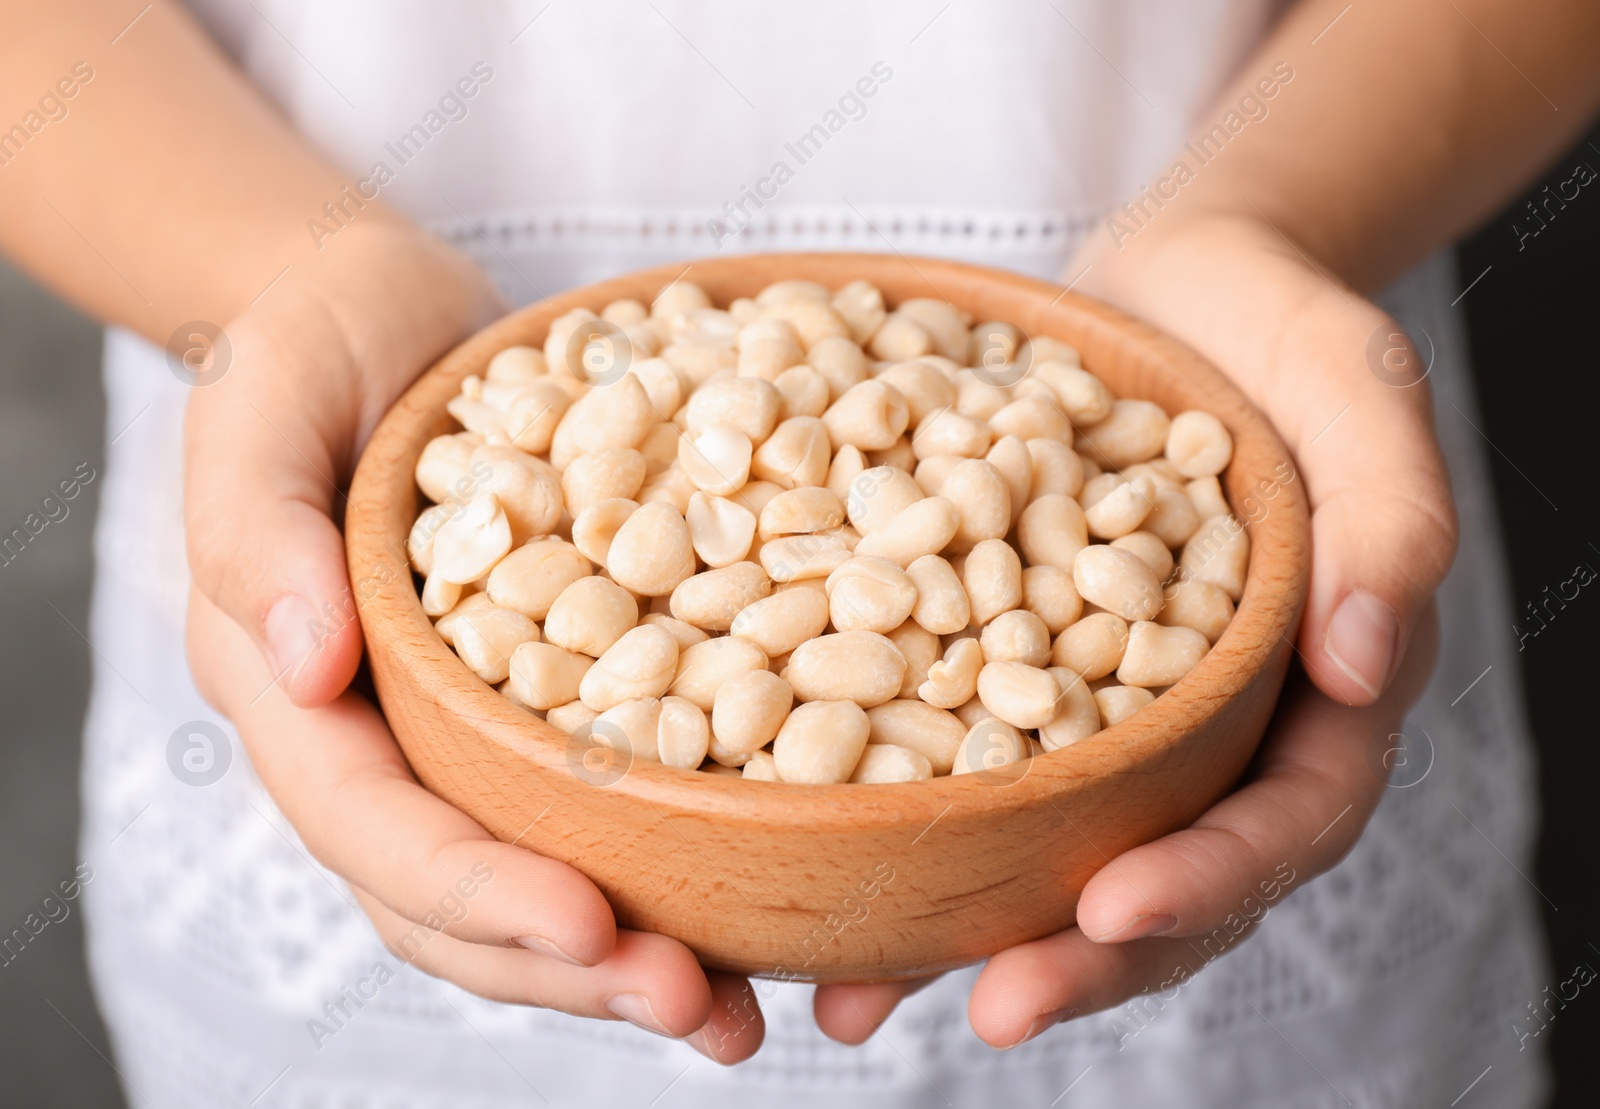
(807, 538)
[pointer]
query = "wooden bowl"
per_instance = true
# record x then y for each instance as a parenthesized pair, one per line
(846, 882)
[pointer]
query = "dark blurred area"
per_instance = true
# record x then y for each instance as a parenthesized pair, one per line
(1537, 278)
(52, 417)
(1536, 354)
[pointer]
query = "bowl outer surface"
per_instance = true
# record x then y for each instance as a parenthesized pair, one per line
(840, 883)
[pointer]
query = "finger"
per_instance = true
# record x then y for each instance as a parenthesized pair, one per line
(851, 1013)
(341, 781)
(1384, 529)
(260, 492)
(649, 980)
(1317, 782)
(736, 1028)
(1026, 989)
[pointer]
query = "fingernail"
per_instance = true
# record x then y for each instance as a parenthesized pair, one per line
(1040, 1024)
(1026, 1036)
(1361, 640)
(1141, 927)
(635, 1008)
(545, 947)
(291, 631)
(701, 1042)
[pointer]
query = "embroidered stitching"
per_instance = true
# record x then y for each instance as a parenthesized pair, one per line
(814, 226)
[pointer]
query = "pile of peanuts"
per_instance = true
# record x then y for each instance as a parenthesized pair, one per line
(809, 539)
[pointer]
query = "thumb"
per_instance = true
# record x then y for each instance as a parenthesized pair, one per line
(1383, 522)
(260, 496)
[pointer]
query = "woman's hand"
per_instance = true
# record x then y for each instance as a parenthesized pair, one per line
(273, 643)
(1383, 535)
(443, 894)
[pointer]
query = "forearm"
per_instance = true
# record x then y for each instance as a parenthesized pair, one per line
(1402, 126)
(169, 190)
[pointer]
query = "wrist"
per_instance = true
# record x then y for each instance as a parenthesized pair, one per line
(355, 323)
(1119, 260)
(394, 291)
(1260, 308)
(1230, 286)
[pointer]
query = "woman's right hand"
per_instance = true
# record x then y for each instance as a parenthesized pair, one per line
(273, 644)
(443, 894)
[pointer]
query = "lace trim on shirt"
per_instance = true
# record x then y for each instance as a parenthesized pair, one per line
(848, 227)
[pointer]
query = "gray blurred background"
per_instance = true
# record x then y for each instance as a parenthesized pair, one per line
(51, 419)
(1538, 365)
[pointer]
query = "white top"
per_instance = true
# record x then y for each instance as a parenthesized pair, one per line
(599, 138)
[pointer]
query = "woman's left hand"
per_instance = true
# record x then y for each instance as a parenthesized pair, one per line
(1383, 535)
(1316, 780)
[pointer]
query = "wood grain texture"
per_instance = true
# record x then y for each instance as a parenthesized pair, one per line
(840, 883)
